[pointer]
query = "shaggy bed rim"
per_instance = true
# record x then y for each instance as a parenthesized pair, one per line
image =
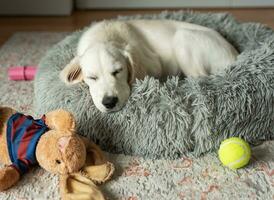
(178, 116)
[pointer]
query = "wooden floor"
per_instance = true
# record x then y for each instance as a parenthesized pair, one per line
(79, 19)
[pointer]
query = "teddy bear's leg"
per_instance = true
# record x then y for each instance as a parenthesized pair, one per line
(9, 176)
(99, 173)
(77, 187)
(97, 168)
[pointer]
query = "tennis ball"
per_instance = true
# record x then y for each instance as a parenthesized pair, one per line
(234, 153)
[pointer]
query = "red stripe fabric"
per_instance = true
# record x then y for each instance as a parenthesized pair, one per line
(23, 134)
(26, 139)
(18, 124)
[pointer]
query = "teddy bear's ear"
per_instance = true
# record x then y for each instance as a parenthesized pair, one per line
(60, 120)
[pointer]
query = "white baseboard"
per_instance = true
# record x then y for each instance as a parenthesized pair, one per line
(148, 3)
(36, 7)
(109, 4)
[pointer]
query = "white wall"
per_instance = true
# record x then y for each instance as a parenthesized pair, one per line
(64, 7)
(85, 4)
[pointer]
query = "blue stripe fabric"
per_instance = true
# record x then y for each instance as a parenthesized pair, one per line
(33, 143)
(18, 137)
(24, 134)
(10, 123)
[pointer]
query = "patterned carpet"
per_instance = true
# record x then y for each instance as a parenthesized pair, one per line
(135, 178)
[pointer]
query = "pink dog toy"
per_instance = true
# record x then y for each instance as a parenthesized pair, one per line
(22, 73)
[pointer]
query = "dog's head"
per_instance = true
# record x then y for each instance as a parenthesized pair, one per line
(107, 70)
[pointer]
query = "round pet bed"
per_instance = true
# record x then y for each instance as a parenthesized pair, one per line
(168, 119)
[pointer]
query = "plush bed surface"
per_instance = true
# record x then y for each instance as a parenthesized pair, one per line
(168, 119)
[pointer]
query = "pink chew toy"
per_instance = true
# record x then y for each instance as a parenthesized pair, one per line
(22, 73)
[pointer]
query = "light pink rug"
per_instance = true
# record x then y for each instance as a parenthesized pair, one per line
(135, 178)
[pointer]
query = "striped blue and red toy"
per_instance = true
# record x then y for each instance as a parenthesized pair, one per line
(23, 134)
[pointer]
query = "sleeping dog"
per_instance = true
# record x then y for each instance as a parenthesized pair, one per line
(112, 54)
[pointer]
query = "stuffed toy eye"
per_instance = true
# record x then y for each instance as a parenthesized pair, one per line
(58, 162)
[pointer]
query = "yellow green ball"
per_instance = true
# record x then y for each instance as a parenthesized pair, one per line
(234, 153)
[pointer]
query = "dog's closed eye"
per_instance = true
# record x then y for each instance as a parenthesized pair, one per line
(93, 78)
(116, 72)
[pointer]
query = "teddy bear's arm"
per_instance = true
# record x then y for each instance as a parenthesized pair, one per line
(5, 114)
(96, 154)
(97, 168)
(9, 176)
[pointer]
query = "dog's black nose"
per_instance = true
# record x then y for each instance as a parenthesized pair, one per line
(110, 101)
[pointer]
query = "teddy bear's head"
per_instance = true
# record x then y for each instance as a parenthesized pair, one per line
(61, 150)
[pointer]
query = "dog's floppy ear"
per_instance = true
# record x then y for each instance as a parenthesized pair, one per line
(136, 64)
(130, 64)
(72, 73)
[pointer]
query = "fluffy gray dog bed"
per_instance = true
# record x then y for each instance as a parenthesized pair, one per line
(180, 115)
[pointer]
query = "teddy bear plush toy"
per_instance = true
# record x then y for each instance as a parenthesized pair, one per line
(52, 143)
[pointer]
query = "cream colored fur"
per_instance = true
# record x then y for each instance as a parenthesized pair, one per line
(138, 48)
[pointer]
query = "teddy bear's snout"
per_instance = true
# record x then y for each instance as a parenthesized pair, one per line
(72, 169)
